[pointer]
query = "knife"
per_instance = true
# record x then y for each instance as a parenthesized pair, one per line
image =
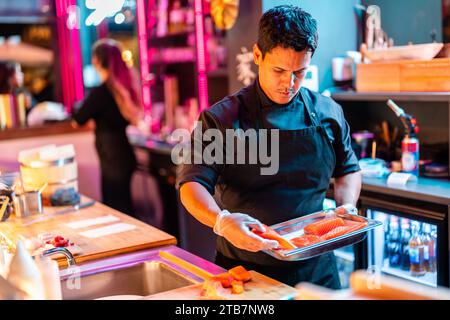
(60, 212)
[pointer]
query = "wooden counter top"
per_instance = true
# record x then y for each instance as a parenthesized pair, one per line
(142, 237)
(54, 128)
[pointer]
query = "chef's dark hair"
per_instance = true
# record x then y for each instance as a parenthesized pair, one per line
(287, 26)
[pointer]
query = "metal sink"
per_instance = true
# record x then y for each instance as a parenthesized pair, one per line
(133, 275)
(143, 279)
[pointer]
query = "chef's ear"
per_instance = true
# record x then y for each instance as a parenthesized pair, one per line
(257, 54)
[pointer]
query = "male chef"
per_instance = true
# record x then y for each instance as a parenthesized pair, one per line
(313, 146)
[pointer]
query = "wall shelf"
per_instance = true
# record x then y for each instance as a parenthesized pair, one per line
(170, 39)
(396, 96)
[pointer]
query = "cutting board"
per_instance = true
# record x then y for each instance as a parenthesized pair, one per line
(259, 288)
(143, 236)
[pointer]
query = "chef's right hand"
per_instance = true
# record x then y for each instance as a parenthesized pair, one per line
(235, 227)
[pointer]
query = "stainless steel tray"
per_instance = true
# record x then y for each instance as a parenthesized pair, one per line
(294, 228)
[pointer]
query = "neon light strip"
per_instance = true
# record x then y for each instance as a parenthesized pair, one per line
(77, 63)
(64, 65)
(144, 54)
(201, 55)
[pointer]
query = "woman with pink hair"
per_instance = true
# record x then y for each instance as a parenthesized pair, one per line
(113, 105)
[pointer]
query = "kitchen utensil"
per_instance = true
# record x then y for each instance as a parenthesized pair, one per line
(60, 212)
(362, 138)
(387, 139)
(4, 212)
(28, 203)
(294, 228)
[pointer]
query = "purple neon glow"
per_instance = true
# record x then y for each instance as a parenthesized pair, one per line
(144, 54)
(201, 55)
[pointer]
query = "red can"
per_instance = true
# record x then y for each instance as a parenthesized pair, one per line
(410, 155)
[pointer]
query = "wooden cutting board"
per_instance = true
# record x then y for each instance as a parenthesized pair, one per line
(259, 288)
(143, 236)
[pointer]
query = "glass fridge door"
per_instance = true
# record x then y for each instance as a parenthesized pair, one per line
(345, 257)
(404, 248)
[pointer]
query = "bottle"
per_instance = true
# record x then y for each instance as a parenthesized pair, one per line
(416, 253)
(386, 238)
(405, 237)
(431, 248)
(394, 243)
(410, 154)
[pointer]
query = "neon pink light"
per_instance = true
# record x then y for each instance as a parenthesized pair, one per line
(144, 54)
(77, 63)
(201, 55)
(70, 56)
(65, 78)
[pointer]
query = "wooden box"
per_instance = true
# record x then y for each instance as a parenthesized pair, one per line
(406, 75)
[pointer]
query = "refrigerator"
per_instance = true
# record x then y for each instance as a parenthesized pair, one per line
(412, 245)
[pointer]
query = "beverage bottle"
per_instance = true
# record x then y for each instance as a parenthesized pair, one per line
(386, 238)
(405, 237)
(416, 253)
(394, 243)
(432, 243)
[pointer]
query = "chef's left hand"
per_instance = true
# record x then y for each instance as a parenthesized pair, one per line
(347, 208)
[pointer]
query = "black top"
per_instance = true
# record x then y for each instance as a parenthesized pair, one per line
(227, 114)
(101, 106)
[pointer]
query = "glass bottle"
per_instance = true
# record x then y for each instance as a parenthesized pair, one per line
(394, 243)
(432, 242)
(386, 238)
(416, 253)
(405, 237)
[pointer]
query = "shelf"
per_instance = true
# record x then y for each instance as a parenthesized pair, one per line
(396, 96)
(429, 279)
(47, 129)
(219, 73)
(26, 19)
(350, 257)
(165, 63)
(169, 40)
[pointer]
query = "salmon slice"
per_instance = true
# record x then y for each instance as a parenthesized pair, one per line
(271, 234)
(336, 232)
(339, 231)
(323, 226)
(356, 224)
(305, 240)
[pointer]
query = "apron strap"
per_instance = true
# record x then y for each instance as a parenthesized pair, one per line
(311, 111)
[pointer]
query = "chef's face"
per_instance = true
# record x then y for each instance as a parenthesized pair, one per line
(281, 72)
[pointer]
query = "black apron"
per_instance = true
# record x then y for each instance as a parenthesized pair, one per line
(306, 164)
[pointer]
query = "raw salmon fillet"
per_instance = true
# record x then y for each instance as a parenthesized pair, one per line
(339, 231)
(305, 240)
(323, 226)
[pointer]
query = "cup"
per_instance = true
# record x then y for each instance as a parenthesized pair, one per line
(28, 203)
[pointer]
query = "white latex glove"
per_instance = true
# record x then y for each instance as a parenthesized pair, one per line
(235, 227)
(347, 208)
